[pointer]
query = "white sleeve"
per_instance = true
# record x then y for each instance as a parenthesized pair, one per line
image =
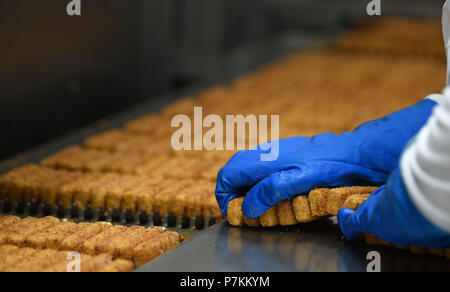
(439, 98)
(446, 30)
(425, 166)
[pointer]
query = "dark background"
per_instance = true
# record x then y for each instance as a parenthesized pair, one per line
(58, 73)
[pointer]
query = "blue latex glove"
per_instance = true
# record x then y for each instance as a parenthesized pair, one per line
(390, 215)
(365, 156)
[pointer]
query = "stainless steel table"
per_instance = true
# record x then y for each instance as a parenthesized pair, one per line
(315, 247)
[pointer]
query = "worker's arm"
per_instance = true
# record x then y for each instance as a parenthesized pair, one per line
(413, 209)
(365, 156)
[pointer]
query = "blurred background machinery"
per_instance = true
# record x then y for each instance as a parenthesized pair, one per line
(58, 73)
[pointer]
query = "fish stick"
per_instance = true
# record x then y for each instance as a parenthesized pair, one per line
(355, 201)
(76, 241)
(5, 184)
(180, 200)
(109, 246)
(252, 222)
(16, 190)
(66, 193)
(49, 192)
(338, 196)
(286, 215)
(194, 206)
(90, 246)
(18, 180)
(165, 198)
(130, 197)
(270, 218)
(54, 241)
(68, 263)
(96, 263)
(124, 249)
(84, 195)
(31, 189)
(100, 192)
(36, 262)
(49, 258)
(6, 221)
(114, 196)
(302, 210)
(40, 225)
(235, 215)
(7, 250)
(145, 200)
(18, 230)
(318, 202)
(149, 250)
(15, 258)
(39, 240)
(118, 266)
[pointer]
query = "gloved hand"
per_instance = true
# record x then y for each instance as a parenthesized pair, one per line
(391, 215)
(365, 156)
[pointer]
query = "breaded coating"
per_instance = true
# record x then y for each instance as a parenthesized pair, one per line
(5, 221)
(116, 190)
(235, 215)
(270, 218)
(68, 263)
(338, 196)
(35, 262)
(83, 193)
(19, 236)
(149, 250)
(286, 215)
(7, 250)
(39, 240)
(54, 240)
(118, 266)
(109, 246)
(353, 202)
(252, 222)
(100, 191)
(130, 196)
(124, 249)
(16, 228)
(115, 196)
(302, 210)
(49, 258)
(10, 261)
(164, 199)
(90, 246)
(17, 233)
(76, 241)
(318, 202)
(95, 263)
